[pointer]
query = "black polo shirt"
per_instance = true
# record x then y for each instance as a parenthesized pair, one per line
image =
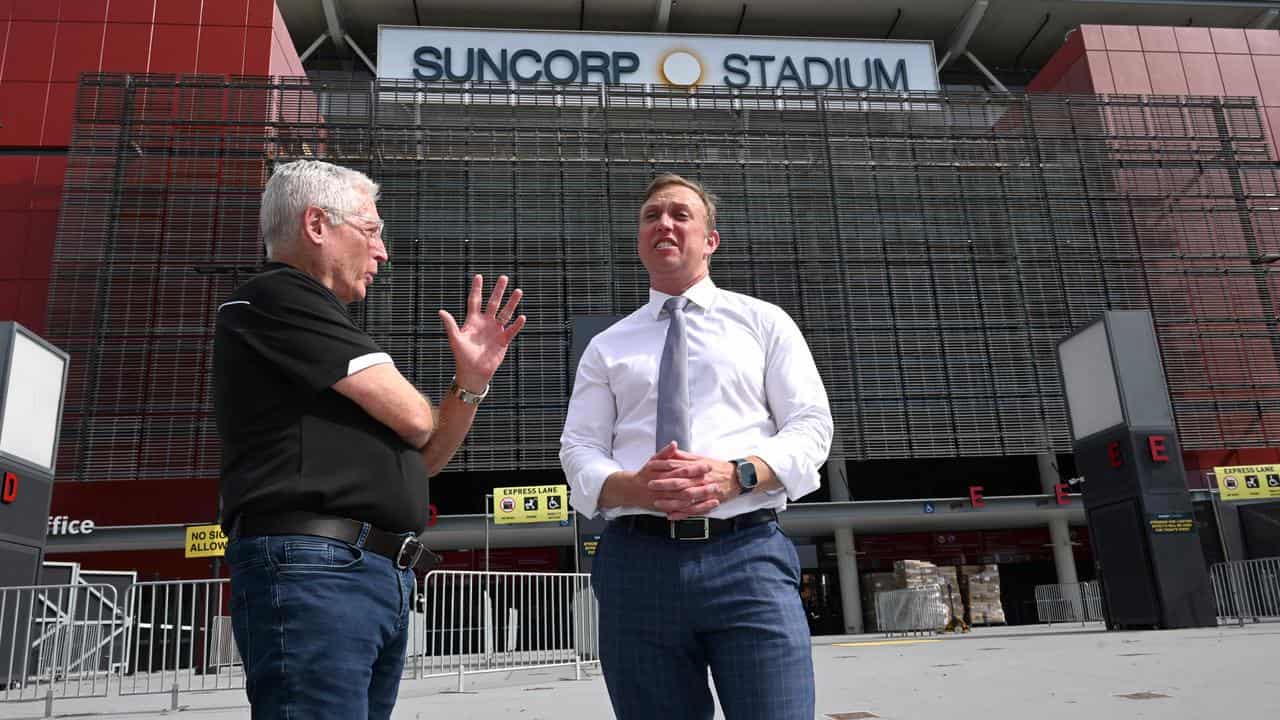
(289, 440)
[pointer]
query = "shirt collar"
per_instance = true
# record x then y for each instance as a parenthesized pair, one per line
(701, 295)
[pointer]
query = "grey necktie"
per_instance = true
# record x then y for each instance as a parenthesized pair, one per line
(673, 380)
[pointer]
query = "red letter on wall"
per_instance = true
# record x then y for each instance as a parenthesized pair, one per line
(10, 488)
(975, 496)
(1156, 443)
(1060, 490)
(1113, 452)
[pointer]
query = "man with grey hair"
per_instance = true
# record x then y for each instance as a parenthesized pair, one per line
(326, 451)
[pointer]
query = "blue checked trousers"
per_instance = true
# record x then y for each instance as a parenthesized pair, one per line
(671, 609)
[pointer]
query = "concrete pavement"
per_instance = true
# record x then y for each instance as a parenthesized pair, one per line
(1064, 672)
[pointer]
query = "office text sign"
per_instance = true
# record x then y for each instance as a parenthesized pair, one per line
(447, 55)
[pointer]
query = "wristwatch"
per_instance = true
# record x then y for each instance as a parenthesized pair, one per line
(747, 479)
(466, 395)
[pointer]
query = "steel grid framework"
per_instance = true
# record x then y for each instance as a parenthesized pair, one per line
(932, 248)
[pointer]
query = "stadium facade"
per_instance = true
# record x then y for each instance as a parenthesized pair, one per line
(934, 232)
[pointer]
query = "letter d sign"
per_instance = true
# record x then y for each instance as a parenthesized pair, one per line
(10, 492)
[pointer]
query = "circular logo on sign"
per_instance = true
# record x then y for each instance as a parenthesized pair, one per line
(1231, 482)
(681, 68)
(508, 504)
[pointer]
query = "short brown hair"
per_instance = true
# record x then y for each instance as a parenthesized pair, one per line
(668, 179)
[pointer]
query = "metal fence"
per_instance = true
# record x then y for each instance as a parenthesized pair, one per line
(1078, 602)
(475, 622)
(58, 641)
(1247, 589)
(918, 610)
(179, 639)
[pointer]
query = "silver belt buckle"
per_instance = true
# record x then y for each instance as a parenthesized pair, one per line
(416, 556)
(706, 528)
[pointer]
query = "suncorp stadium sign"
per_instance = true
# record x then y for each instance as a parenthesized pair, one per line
(446, 55)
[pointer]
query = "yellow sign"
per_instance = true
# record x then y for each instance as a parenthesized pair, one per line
(205, 541)
(1248, 482)
(543, 503)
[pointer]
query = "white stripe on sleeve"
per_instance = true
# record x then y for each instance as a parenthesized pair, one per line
(367, 361)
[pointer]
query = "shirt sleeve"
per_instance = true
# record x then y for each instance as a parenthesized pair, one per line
(798, 402)
(586, 445)
(296, 328)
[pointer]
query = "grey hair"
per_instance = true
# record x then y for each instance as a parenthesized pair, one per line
(295, 186)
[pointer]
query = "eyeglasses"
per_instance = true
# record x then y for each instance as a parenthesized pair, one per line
(375, 226)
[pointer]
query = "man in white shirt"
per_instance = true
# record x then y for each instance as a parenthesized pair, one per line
(693, 420)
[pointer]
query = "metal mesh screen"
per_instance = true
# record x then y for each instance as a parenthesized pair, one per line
(933, 249)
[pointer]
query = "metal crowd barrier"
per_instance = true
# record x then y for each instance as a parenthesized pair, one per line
(58, 641)
(180, 639)
(1247, 589)
(1062, 603)
(918, 610)
(476, 622)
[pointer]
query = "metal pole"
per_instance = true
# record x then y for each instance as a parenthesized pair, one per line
(1214, 500)
(488, 508)
(577, 543)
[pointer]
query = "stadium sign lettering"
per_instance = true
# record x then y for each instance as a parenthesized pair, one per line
(452, 55)
(740, 70)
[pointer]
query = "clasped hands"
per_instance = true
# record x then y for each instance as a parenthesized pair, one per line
(682, 484)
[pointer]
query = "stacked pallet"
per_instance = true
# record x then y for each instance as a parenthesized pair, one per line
(981, 585)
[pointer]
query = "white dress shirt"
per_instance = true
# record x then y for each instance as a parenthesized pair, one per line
(753, 390)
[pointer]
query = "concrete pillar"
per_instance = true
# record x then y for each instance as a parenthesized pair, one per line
(1064, 560)
(846, 557)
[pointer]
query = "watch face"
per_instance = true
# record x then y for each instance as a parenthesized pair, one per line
(747, 475)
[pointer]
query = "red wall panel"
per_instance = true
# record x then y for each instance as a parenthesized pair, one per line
(1202, 74)
(231, 13)
(1193, 40)
(39, 244)
(178, 12)
(13, 245)
(29, 52)
(1267, 70)
(1237, 75)
(78, 49)
(1165, 71)
(257, 51)
(173, 48)
(131, 11)
(221, 50)
(58, 115)
(1100, 70)
(1121, 37)
(10, 291)
(1228, 40)
(22, 128)
(83, 11)
(126, 47)
(35, 9)
(1129, 72)
(261, 13)
(1157, 39)
(31, 303)
(1263, 42)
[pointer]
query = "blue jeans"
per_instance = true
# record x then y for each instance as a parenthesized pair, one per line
(321, 625)
(670, 609)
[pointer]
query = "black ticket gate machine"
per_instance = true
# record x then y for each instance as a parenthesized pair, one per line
(33, 380)
(1137, 506)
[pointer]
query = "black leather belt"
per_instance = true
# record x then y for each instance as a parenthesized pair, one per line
(696, 528)
(404, 549)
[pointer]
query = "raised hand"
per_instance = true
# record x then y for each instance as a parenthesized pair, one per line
(480, 345)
